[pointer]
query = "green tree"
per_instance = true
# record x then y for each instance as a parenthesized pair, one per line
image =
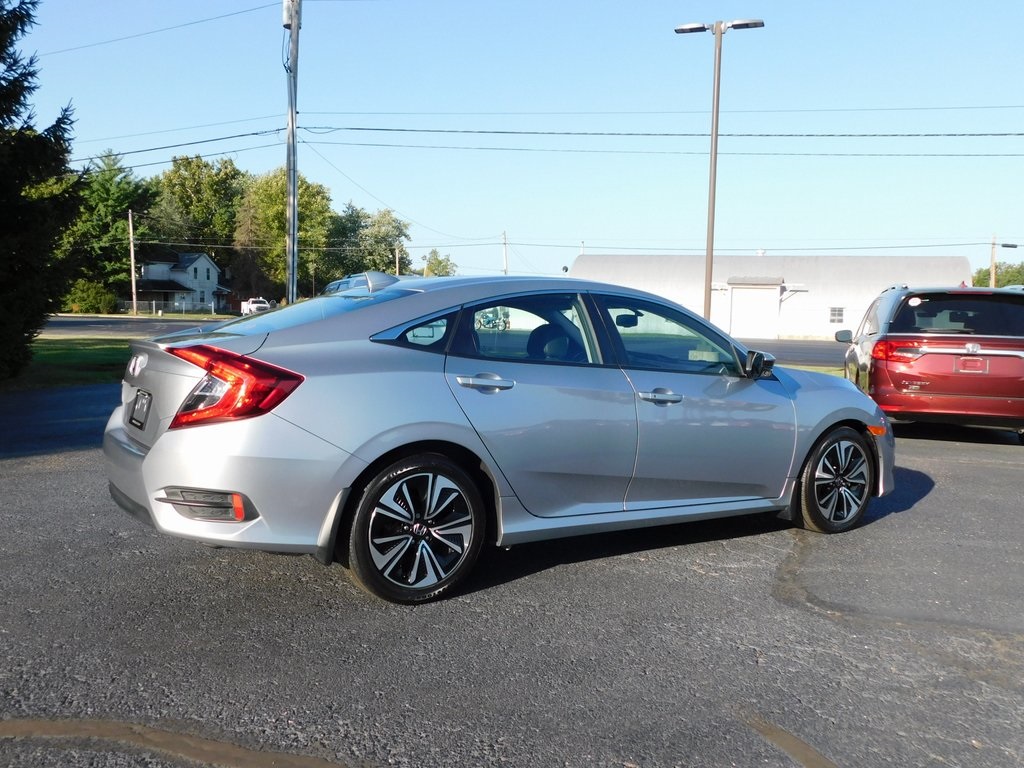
(342, 255)
(261, 225)
(381, 240)
(438, 265)
(1006, 274)
(97, 240)
(38, 197)
(86, 296)
(196, 205)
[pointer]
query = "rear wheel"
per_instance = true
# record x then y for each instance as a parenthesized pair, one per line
(418, 530)
(836, 482)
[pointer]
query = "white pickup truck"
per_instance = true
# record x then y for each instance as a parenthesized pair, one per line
(252, 306)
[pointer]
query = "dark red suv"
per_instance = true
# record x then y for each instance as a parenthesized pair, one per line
(952, 355)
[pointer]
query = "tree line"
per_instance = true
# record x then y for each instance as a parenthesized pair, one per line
(238, 218)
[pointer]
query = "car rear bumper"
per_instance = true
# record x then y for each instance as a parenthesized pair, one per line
(287, 515)
(952, 409)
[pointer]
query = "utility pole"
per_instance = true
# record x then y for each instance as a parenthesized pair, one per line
(292, 17)
(504, 253)
(992, 267)
(131, 255)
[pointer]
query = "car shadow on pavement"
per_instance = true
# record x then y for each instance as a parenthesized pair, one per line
(498, 566)
(38, 421)
(953, 433)
(909, 488)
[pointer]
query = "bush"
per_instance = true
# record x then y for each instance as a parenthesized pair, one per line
(90, 298)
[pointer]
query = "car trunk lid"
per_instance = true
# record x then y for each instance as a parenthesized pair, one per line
(975, 366)
(156, 383)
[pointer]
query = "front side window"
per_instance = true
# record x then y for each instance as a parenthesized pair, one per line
(539, 328)
(653, 336)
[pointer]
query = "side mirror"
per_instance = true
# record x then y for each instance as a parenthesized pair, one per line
(627, 321)
(844, 337)
(758, 365)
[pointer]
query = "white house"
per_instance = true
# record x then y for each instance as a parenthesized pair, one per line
(188, 284)
(768, 297)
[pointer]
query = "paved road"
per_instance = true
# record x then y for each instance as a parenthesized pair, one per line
(734, 643)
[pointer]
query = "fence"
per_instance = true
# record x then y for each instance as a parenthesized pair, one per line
(158, 308)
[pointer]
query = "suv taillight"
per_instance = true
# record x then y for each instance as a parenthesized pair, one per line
(234, 387)
(897, 351)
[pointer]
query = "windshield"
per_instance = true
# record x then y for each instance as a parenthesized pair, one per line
(986, 314)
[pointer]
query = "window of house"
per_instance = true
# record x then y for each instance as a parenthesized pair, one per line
(207, 273)
(835, 314)
(202, 297)
(195, 273)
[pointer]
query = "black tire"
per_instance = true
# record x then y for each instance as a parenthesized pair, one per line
(837, 482)
(417, 531)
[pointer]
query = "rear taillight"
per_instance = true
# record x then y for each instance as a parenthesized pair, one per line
(897, 351)
(234, 387)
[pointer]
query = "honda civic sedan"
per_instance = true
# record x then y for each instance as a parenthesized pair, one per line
(391, 428)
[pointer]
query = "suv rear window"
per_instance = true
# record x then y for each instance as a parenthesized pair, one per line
(985, 315)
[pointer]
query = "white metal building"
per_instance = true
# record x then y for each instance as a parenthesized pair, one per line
(768, 297)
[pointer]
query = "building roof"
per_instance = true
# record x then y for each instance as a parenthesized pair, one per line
(148, 284)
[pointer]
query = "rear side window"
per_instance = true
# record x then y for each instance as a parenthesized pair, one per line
(536, 328)
(872, 321)
(985, 314)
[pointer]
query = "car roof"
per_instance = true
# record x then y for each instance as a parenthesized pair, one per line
(968, 289)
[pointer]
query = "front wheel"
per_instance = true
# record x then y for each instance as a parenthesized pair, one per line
(836, 482)
(417, 531)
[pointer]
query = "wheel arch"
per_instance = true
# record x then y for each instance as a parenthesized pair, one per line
(792, 512)
(467, 460)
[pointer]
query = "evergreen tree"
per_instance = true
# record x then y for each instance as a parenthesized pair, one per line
(38, 197)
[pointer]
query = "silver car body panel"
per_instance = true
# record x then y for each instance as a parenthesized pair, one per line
(568, 449)
(541, 430)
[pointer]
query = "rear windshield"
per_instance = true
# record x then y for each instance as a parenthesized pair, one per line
(986, 314)
(309, 311)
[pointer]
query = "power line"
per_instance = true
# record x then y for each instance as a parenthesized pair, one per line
(645, 134)
(183, 144)
(158, 31)
(177, 130)
(382, 202)
(665, 151)
(956, 108)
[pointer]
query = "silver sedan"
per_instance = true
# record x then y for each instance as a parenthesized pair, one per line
(397, 427)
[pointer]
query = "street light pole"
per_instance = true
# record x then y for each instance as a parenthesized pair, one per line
(719, 28)
(292, 21)
(992, 271)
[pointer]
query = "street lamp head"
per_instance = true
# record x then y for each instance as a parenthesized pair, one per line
(685, 28)
(745, 24)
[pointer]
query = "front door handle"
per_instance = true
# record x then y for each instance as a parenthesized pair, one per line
(661, 396)
(485, 382)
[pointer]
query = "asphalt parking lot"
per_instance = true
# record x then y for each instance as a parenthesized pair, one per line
(740, 642)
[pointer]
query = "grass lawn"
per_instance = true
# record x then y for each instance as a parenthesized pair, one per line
(62, 362)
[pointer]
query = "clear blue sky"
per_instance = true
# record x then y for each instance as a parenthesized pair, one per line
(145, 74)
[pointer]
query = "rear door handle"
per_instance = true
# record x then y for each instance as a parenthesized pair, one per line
(661, 396)
(485, 382)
